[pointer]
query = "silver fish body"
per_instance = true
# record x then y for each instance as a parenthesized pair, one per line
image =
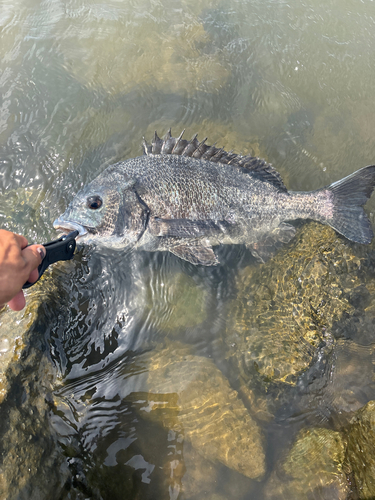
(186, 197)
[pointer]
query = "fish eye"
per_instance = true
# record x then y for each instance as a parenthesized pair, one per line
(94, 202)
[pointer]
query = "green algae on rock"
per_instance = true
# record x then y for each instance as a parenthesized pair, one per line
(18, 206)
(20, 212)
(360, 451)
(285, 309)
(180, 57)
(11, 342)
(313, 466)
(31, 464)
(196, 399)
(14, 328)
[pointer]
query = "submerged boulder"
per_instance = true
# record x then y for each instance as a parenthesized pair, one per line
(199, 402)
(31, 464)
(313, 468)
(285, 309)
(360, 451)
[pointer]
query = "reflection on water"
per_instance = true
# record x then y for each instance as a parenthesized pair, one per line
(142, 376)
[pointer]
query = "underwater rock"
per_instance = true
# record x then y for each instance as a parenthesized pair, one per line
(285, 309)
(11, 341)
(31, 464)
(199, 475)
(196, 400)
(14, 330)
(360, 450)
(183, 57)
(351, 383)
(313, 468)
(20, 211)
(156, 425)
(190, 473)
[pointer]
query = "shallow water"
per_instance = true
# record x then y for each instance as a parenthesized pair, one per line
(81, 84)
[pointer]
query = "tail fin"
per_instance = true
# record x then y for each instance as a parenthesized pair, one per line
(349, 196)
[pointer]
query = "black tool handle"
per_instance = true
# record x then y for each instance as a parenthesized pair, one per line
(61, 249)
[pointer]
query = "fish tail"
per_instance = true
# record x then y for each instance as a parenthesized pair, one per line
(348, 196)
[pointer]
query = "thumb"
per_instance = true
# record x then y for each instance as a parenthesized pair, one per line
(33, 256)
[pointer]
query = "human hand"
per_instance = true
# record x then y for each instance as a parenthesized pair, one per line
(18, 264)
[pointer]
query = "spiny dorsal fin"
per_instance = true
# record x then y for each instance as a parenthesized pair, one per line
(200, 150)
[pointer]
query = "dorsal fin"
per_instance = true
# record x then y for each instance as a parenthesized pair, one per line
(178, 146)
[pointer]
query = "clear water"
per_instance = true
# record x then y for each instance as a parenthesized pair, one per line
(81, 83)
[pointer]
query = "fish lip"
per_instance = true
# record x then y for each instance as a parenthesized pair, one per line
(67, 226)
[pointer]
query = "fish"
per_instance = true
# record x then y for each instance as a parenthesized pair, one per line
(187, 197)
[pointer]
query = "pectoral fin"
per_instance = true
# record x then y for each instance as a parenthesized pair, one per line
(196, 253)
(267, 246)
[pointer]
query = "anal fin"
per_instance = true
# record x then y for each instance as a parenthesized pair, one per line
(196, 253)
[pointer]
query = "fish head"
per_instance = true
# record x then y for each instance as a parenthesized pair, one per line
(107, 211)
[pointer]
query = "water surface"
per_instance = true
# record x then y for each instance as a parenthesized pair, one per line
(81, 84)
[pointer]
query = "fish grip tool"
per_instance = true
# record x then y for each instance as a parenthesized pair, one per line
(61, 249)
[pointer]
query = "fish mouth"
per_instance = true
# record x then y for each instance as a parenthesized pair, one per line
(67, 226)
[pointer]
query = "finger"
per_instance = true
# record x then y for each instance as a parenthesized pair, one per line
(34, 275)
(33, 256)
(21, 240)
(18, 302)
